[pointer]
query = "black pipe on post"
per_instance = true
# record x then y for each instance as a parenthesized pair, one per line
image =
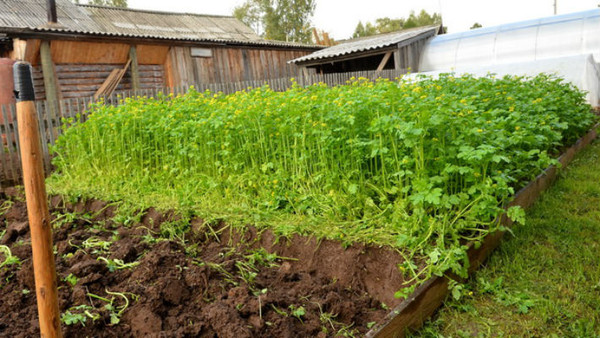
(51, 7)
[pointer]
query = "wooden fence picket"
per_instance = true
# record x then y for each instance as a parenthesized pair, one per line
(41, 109)
(7, 166)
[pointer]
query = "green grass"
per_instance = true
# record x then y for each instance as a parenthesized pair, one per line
(545, 281)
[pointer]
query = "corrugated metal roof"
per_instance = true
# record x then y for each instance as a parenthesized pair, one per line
(168, 25)
(132, 23)
(33, 14)
(368, 43)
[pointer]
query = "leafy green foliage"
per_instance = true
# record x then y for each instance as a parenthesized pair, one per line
(544, 281)
(456, 289)
(71, 279)
(78, 315)
(284, 20)
(386, 25)
(476, 25)
(68, 218)
(422, 19)
(297, 311)
(516, 214)
(418, 165)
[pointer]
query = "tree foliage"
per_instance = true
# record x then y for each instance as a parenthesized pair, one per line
(476, 25)
(423, 19)
(386, 25)
(250, 14)
(108, 3)
(285, 20)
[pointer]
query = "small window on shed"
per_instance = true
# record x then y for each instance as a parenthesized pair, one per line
(201, 52)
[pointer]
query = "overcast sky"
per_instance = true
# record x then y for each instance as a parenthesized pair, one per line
(339, 17)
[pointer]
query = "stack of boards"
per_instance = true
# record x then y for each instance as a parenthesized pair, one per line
(112, 81)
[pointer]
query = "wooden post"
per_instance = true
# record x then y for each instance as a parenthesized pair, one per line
(397, 62)
(304, 72)
(135, 69)
(411, 59)
(384, 61)
(37, 203)
(50, 83)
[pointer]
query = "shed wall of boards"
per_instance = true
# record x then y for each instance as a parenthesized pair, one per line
(229, 65)
(81, 67)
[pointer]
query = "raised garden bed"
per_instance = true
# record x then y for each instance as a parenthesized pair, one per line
(201, 291)
(412, 312)
(317, 229)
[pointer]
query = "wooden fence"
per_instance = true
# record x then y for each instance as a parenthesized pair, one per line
(52, 124)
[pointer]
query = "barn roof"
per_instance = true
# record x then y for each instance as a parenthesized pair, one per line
(369, 43)
(31, 16)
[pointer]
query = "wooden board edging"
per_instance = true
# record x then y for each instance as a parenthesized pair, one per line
(422, 303)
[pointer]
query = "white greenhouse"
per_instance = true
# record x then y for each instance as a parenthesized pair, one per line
(565, 45)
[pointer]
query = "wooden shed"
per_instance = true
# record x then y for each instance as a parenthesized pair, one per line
(75, 52)
(399, 50)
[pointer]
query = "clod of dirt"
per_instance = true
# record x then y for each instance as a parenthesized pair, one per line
(225, 321)
(125, 250)
(144, 323)
(25, 275)
(152, 219)
(87, 267)
(175, 291)
(13, 231)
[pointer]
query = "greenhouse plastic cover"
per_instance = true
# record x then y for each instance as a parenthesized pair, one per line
(580, 70)
(545, 38)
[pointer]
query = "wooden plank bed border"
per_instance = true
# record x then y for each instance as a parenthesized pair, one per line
(422, 303)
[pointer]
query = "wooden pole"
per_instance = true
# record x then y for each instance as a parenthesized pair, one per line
(50, 82)
(397, 55)
(135, 69)
(37, 203)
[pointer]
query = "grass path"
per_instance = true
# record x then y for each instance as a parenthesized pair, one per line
(545, 281)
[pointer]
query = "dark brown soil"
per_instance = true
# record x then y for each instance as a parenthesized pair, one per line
(208, 287)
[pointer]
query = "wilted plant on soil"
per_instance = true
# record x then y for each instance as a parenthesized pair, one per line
(117, 264)
(8, 257)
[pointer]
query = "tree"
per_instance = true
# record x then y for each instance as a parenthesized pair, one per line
(476, 25)
(286, 20)
(386, 25)
(423, 19)
(108, 3)
(250, 14)
(359, 30)
(364, 30)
